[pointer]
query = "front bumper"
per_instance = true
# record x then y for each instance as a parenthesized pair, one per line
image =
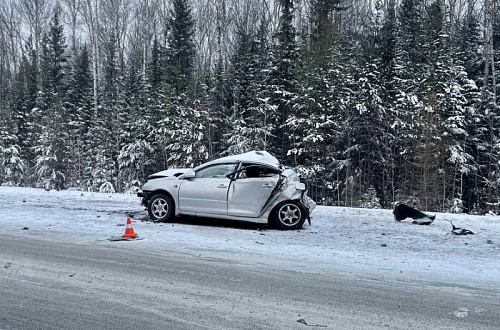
(144, 195)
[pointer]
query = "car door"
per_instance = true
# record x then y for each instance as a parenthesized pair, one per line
(248, 194)
(207, 191)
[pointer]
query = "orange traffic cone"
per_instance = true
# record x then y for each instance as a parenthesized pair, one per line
(129, 231)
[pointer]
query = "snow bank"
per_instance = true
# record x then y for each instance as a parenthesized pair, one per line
(341, 241)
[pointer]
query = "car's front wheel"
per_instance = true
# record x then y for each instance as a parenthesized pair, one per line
(161, 207)
(288, 215)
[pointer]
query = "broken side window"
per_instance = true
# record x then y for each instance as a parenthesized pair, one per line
(257, 171)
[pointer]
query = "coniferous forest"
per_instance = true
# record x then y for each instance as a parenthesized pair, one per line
(375, 101)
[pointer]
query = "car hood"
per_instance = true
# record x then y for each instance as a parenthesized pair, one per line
(173, 172)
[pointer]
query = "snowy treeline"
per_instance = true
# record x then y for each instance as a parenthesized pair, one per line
(374, 100)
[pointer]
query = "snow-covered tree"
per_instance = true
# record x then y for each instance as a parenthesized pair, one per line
(52, 156)
(183, 129)
(250, 120)
(283, 83)
(12, 166)
(370, 199)
(181, 50)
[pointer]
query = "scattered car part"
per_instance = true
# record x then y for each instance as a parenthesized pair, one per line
(402, 211)
(459, 231)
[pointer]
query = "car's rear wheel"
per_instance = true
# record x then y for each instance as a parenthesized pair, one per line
(288, 215)
(161, 208)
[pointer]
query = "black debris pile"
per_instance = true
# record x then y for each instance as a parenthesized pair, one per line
(423, 222)
(403, 211)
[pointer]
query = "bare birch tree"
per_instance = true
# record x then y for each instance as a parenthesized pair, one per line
(72, 8)
(36, 14)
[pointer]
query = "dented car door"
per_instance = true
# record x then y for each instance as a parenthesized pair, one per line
(249, 192)
(207, 191)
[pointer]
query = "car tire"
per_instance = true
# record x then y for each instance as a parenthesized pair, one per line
(161, 208)
(288, 215)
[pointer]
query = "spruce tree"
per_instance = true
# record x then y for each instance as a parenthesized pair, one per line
(180, 46)
(248, 126)
(80, 116)
(52, 154)
(407, 101)
(184, 124)
(135, 157)
(221, 100)
(283, 78)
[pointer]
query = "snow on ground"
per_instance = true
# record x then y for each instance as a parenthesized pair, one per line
(353, 242)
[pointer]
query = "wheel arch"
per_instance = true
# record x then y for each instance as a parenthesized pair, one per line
(276, 203)
(167, 209)
(164, 192)
(284, 201)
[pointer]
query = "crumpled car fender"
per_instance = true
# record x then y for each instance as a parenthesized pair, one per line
(285, 190)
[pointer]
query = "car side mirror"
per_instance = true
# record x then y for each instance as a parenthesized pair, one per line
(189, 175)
(300, 186)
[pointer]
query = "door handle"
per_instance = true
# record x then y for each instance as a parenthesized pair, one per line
(267, 185)
(222, 186)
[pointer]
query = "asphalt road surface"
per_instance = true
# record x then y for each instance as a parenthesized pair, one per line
(52, 285)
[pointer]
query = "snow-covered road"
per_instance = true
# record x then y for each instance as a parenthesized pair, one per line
(359, 242)
(353, 268)
(59, 285)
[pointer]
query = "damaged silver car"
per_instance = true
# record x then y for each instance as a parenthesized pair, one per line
(252, 187)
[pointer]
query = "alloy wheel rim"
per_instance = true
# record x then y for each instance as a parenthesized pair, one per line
(160, 208)
(289, 214)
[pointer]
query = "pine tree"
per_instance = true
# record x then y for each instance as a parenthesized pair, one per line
(52, 155)
(158, 97)
(221, 102)
(407, 102)
(180, 46)
(469, 55)
(79, 102)
(324, 30)
(184, 129)
(135, 155)
(283, 79)
(155, 74)
(19, 107)
(470, 44)
(108, 122)
(20, 117)
(11, 164)
(492, 110)
(370, 199)
(184, 124)
(248, 124)
(385, 57)
(388, 39)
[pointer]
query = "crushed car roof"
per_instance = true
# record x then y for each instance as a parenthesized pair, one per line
(261, 157)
